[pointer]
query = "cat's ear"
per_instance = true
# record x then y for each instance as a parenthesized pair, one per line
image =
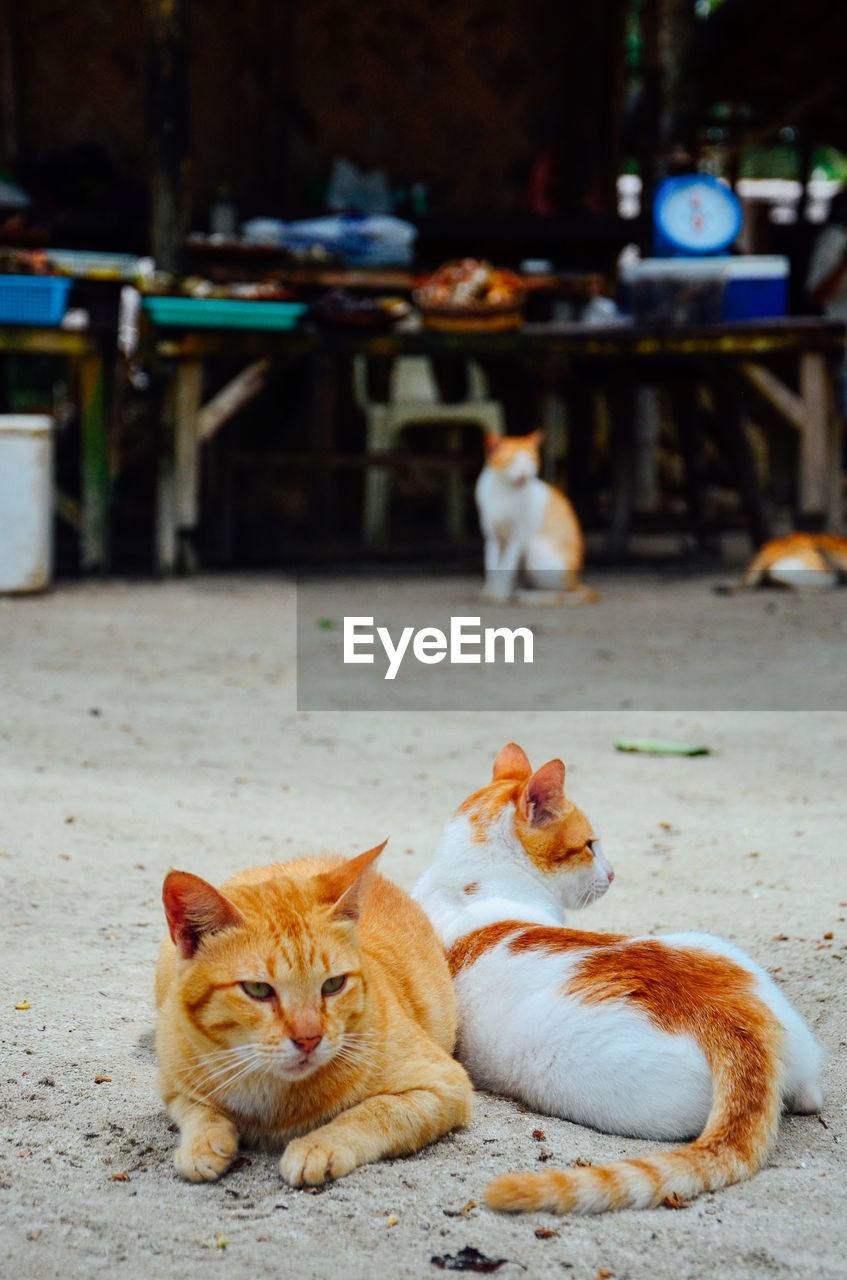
(492, 442)
(543, 797)
(536, 439)
(346, 887)
(511, 762)
(194, 908)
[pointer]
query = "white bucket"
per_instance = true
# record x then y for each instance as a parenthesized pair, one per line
(26, 502)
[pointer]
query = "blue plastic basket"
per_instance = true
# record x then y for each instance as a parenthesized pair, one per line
(35, 300)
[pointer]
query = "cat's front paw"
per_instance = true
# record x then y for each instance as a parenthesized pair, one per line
(205, 1157)
(495, 594)
(309, 1161)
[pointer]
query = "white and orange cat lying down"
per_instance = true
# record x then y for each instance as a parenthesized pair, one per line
(661, 1038)
(305, 1005)
(530, 527)
(805, 561)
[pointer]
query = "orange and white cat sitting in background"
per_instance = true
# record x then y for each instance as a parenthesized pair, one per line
(529, 527)
(306, 1005)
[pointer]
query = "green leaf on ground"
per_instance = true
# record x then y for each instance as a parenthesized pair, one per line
(661, 747)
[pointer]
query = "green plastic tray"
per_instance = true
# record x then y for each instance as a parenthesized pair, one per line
(223, 313)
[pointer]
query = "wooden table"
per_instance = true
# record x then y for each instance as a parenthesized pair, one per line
(86, 353)
(747, 349)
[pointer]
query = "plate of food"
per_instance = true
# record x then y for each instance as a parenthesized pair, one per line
(342, 309)
(468, 293)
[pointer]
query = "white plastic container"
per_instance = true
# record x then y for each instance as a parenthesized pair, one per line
(26, 502)
(705, 289)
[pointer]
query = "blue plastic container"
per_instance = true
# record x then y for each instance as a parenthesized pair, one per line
(33, 300)
(756, 287)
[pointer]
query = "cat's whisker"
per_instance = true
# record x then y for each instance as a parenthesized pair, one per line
(354, 1056)
(219, 1057)
(216, 1056)
(241, 1061)
(247, 1069)
(228, 1069)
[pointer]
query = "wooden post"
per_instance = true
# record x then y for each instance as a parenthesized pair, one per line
(651, 129)
(323, 374)
(96, 471)
(10, 130)
(167, 117)
(821, 476)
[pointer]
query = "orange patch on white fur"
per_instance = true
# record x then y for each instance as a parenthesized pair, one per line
(484, 807)
(552, 830)
(466, 951)
(502, 450)
(683, 991)
(673, 985)
(539, 937)
(564, 840)
(527, 937)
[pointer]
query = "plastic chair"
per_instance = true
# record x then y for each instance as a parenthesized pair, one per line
(413, 398)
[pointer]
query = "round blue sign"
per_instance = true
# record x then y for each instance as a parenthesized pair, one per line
(696, 214)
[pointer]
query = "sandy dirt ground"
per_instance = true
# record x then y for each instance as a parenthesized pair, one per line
(149, 725)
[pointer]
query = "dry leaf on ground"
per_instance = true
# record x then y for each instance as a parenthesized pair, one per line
(460, 1213)
(467, 1259)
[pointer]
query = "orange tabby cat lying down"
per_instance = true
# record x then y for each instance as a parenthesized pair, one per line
(309, 1004)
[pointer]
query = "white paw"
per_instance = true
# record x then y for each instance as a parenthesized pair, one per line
(309, 1161)
(807, 1100)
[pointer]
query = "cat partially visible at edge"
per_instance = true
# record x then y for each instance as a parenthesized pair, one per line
(662, 1038)
(805, 561)
(530, 528)
(306, 1004)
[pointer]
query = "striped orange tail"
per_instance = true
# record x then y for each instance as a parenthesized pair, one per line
(739, 1132)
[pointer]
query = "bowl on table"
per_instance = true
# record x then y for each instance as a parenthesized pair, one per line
(469, 294)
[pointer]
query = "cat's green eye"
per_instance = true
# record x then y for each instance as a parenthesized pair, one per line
(332, 985)
(258, 990)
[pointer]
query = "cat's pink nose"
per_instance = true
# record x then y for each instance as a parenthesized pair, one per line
(306, 1043)
(610, 873)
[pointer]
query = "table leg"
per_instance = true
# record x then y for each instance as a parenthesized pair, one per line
(581, 434)
(553, 426)
(323, 375)
(821, 482)
(95, 466)
(187, 392)
(730, 431)
(689, 430)
(617, 408)
(178, 479)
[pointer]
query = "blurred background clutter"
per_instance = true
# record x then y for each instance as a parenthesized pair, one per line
(219, 232)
